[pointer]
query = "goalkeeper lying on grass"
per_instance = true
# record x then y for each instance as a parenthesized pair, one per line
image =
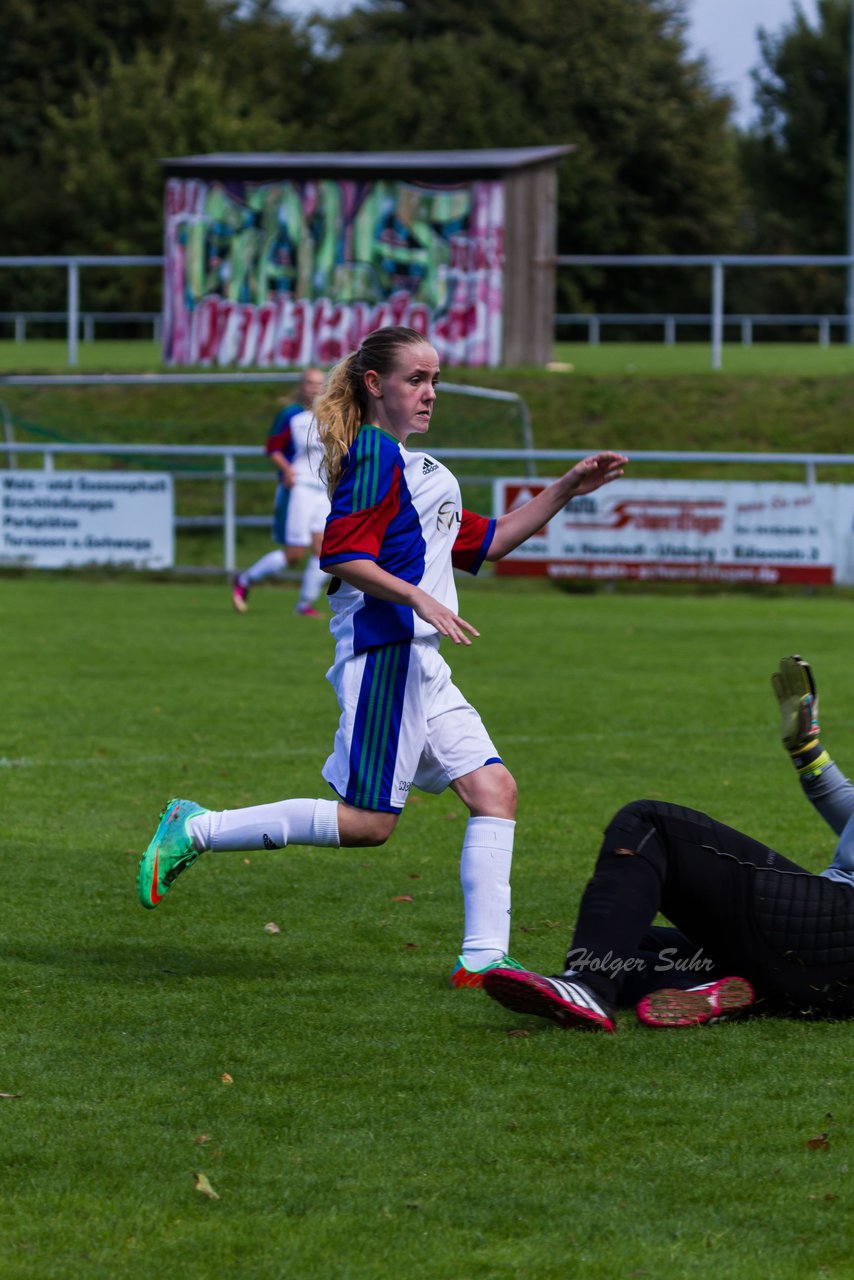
(738, 907)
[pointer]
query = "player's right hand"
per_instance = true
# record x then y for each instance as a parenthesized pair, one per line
(446, 622)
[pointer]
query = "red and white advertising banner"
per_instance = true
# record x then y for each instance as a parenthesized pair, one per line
(690, 531)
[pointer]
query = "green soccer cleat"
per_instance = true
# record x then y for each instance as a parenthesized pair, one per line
(463, 976)
(797, 696)
(170, 852)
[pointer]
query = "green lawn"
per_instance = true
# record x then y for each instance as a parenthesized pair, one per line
(651, 359)
(379, 1124)
(655, 359)
(50, 355)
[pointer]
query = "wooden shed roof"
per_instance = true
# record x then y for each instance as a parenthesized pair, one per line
(454, 165)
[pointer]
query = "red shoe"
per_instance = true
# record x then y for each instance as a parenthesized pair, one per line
(567, 1001)
(712, 1002)
(238, 596)
(307, 611)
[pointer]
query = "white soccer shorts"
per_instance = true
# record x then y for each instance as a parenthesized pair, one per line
(404, 724)
(307, 511)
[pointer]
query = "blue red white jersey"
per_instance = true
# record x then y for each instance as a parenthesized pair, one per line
(280, 437)
(403, 511)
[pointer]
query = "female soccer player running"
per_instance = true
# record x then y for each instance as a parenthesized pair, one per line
(396, 531)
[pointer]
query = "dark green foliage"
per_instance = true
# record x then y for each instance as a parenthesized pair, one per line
(795, 160)
(652, 170)
(94, 97)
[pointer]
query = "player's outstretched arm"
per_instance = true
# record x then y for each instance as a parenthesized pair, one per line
(513, 528)
(823, 783)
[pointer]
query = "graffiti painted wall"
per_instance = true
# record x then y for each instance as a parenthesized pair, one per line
(290, 273)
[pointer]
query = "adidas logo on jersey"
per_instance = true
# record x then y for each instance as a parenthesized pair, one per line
(429, 465)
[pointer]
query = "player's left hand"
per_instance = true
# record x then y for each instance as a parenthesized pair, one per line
(591, 473)
(794, 685)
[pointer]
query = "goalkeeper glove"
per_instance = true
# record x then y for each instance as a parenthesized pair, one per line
(796, 693)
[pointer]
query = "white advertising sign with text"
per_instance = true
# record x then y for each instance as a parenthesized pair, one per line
(56, 519)
(691, 531)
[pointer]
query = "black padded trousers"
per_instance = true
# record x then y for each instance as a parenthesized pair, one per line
(745, 908)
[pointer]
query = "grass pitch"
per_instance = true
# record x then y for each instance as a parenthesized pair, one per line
(656, 359)
(377, 1124)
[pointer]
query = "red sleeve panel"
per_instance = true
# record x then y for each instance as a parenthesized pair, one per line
(472, 542)
(280, 438)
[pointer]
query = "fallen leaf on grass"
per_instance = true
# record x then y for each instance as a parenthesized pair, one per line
(204, 1186)
(226, 1078)
(821, 1143)
(403, 897)
(410, 946)
(246, 862)
(518, 1031)
(413, 876)
(272, 927)
(9, 1097)
(202, 1138)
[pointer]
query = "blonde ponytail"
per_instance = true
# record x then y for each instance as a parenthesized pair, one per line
(339, 411)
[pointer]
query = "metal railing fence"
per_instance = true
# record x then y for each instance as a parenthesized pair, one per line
(20, 320)
(717, 263)
(746, 323)
(72, 264)
(594, 322)
(529, 459)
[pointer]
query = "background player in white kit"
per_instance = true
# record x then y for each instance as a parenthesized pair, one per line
(396, 530)
(302, 503)
(307, 510)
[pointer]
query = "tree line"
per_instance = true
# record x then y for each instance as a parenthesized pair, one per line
(96, 95)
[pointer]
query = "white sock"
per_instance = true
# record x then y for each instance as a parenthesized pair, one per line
(313, 581)
(272, 562)
(267, 826)
(485, 876)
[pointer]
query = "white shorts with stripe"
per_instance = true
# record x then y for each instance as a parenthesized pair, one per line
(308, 508)
(404, 724)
